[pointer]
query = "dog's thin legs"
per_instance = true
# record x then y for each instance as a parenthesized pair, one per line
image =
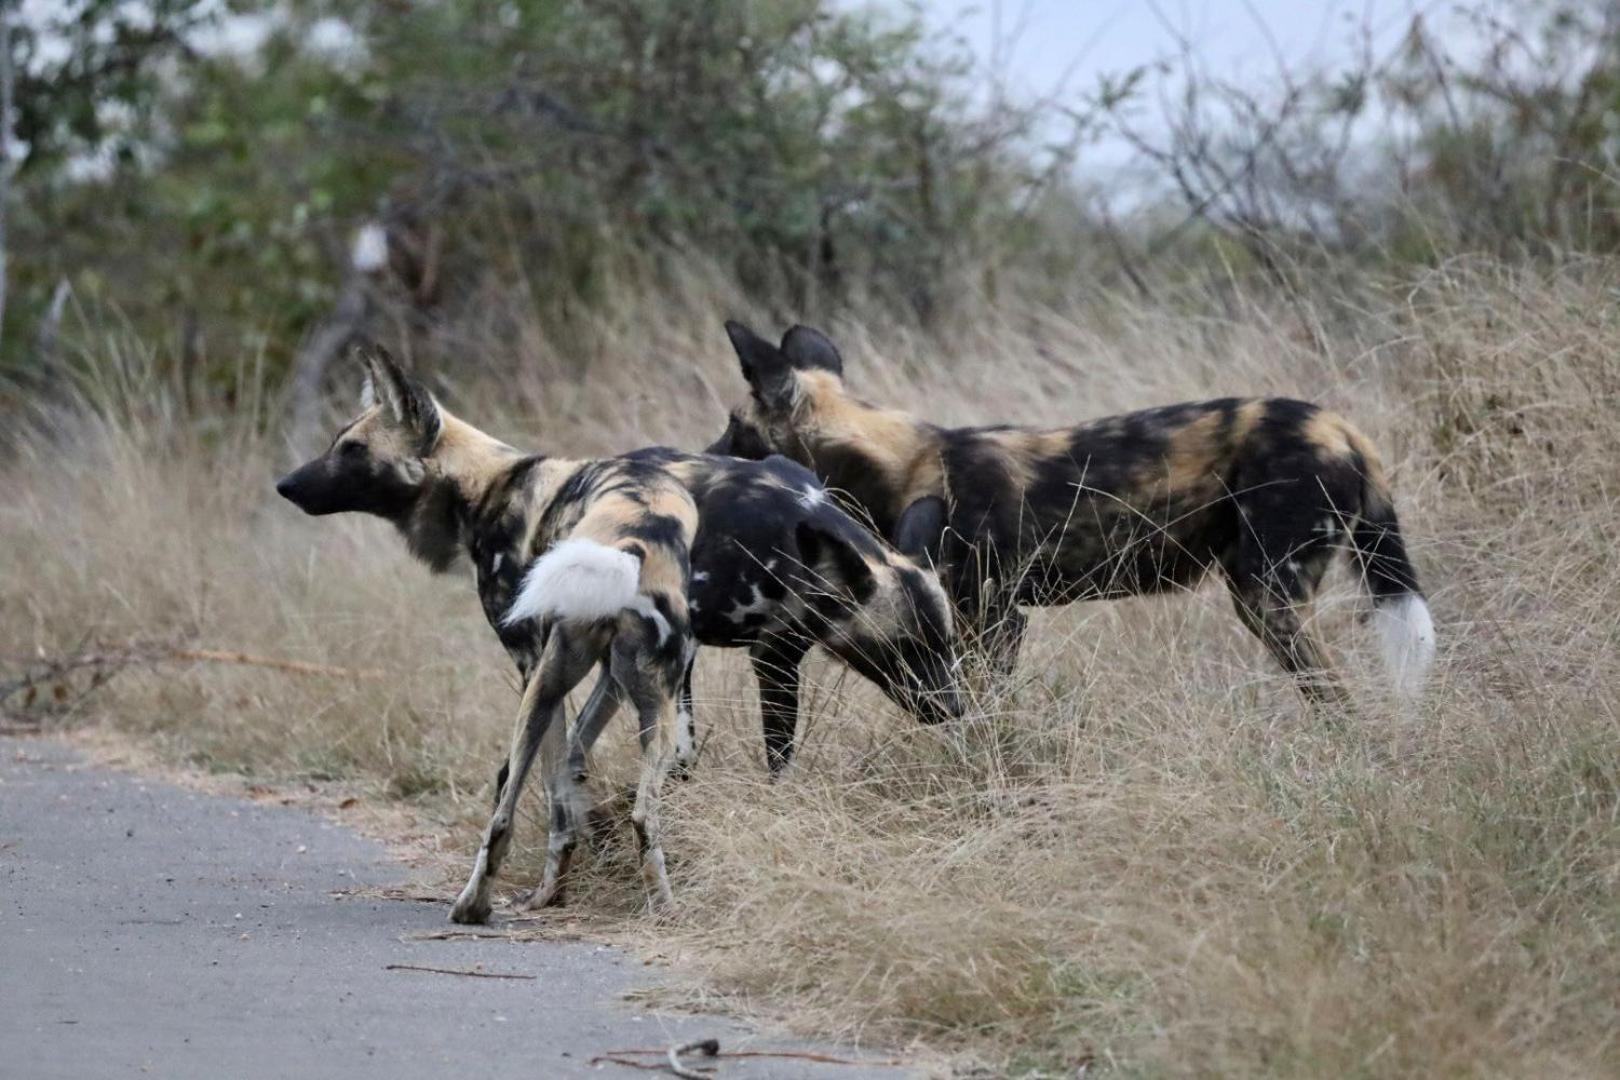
(685, 725)
(563, 794)
(565, 780)
(776, 666)
(598, 711)
(1279, 626)
(653, 693)
(566, 661)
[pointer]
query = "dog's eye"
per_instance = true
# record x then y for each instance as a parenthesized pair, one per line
(353, 450)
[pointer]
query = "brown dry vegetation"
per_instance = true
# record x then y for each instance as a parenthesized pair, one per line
(1146, 850)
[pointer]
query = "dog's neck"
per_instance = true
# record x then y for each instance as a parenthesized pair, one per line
(883, 457)
(463, 467)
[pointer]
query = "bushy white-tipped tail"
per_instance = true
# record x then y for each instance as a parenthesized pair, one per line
(582, 579)
(1406, 632)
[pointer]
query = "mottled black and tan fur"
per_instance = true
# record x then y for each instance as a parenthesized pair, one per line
(1266, 490)
(777, 567)
(578, 562)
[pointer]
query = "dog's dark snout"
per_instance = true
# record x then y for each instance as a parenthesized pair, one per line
(284, 486)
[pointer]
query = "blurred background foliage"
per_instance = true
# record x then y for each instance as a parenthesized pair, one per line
(199, 172)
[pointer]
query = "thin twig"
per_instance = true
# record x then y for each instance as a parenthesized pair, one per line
(657, 1066)
(293, 667)
(457, 971)
(706, 1047)
(108, 662)
(671, 1057)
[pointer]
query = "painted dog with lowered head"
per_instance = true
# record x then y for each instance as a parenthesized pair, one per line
(1265, 489)
(592, 560)
(777, 568)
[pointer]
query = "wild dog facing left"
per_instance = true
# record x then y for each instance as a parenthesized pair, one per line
(607, 551)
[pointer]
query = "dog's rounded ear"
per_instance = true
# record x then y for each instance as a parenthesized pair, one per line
(807, 347)
(832, 559)
(407, 402)
(769, 373)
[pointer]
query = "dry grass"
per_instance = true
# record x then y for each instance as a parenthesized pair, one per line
(1147, 851)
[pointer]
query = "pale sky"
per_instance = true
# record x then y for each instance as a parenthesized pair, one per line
(1046, 47)
(1040, 42)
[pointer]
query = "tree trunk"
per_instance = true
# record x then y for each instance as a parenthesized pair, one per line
(6, 90)
(324, 344)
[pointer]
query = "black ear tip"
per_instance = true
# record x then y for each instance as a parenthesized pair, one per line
(808, 347)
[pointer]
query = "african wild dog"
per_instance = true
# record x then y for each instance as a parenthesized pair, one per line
(1265, 489)
(777, 567)
(579, 563)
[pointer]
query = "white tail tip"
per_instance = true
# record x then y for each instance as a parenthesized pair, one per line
(578, 579)
(1406, 632)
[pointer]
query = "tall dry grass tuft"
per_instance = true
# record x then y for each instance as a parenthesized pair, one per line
(1143, 850)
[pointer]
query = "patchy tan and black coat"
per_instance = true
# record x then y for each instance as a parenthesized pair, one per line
(579, 563)
(1265, 489)
(777, 567)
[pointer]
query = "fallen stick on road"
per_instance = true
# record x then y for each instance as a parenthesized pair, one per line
(672, 1063)
(706, 1047)
(456, 971)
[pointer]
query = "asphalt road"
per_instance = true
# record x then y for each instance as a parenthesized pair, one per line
(146, 930)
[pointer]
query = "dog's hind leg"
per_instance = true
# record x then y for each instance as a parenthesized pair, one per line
(652, 690)
(565, 787)
(598, 711)
(1286, 537)
(1272, 599)
(567, 659)
(564, 798)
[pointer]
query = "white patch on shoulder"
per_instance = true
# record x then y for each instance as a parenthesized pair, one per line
(1406, 631)
(700, 577)
(580, 579)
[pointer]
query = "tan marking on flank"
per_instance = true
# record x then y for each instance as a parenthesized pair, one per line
(1196, 453)
(1330, 433)
(610, 518)
(1022, 449)
(1246, 420)
(1377, 480)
